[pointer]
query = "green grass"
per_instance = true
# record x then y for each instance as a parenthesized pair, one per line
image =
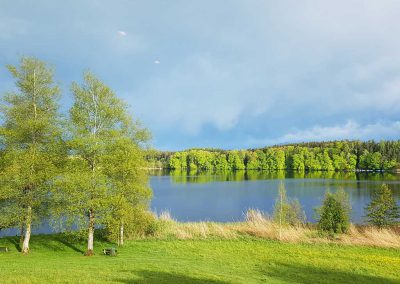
(54, 260)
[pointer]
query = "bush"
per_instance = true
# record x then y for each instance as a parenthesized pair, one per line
(296, 215)
(335, 213)
(138, 223)
(288, 212)
(383, 209)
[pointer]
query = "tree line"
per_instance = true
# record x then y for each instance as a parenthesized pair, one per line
(85, 169)
(317, 156)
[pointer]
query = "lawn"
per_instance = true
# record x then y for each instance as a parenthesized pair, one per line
(54, 260)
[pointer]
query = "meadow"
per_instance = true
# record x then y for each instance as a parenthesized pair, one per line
(54, 259)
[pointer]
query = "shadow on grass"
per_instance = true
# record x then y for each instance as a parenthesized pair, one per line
(67, 243)
(148, 276)
(293, 273)
(15, 242)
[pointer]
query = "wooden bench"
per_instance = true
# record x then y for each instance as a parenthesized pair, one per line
(4, 249)
(110, 251)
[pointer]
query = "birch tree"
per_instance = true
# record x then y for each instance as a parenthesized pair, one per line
(98, 119)
(129, 184)
(287, 212)
(31, 142)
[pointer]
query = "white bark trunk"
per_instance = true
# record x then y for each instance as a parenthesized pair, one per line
(121, 235)
(21, 235)
(90, 233)
(25, 245)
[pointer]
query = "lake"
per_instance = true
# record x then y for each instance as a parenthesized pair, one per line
(224, 197)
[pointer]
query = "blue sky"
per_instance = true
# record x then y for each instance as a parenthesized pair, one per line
(224, 74)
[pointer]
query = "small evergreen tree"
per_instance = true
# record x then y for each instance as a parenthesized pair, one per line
(383, 209)
(335, 213)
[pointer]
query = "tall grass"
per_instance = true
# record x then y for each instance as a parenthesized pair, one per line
(259, 225)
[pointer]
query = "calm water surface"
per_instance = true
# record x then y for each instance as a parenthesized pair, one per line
(224, 197)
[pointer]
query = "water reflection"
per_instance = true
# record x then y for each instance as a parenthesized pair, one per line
(224, 196)
(203, 177)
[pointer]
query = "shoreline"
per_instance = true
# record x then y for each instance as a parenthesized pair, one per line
(258, 227)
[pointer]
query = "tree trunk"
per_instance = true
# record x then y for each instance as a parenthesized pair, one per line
(25, 244)
(89, 251)
(21, 235)
(280, 216)
(121, 235)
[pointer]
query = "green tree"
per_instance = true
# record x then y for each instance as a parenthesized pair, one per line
(383, 210)
(298, 162)
(235, 160)
(98, 121)
(279, 155)
(325, 161)
(31, 139)
(296, 215)
(129, 190)
(371, 161)
(220, 162)
(335, 213)
(262, 158)
(252, 161)
(339, 162)
(178, 161)
(287, 212)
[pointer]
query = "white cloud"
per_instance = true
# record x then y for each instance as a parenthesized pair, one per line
(200, 92)
(349, 130)
(243, 68)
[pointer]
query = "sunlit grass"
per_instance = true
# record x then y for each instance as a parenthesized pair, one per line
(247, 260)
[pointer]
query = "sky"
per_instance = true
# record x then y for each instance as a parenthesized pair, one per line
(223, 74)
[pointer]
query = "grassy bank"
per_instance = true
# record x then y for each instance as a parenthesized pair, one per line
(53, 259)
(259, 226)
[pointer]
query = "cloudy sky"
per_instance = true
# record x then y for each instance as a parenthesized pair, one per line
(224, 74)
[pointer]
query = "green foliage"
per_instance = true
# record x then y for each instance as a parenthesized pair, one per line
(220, 162)
(178, 161)
(129, 192)
(32, 149)
(318, 156)
(287, 212)
(105, 182)
(236, 160)
(296, 215)
(383, 210)
(335, 213)
(138, 222)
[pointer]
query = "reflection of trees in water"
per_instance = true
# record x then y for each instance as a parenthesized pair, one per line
(358, 184)
(241, 175)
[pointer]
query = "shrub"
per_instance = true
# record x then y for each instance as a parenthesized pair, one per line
(383, 210)
(296, 215)
(335, 213)
(138, 223)
(287, 212)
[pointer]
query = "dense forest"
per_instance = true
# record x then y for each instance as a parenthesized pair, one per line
(313, 156)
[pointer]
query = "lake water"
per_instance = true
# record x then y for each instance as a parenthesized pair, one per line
(224, 197)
